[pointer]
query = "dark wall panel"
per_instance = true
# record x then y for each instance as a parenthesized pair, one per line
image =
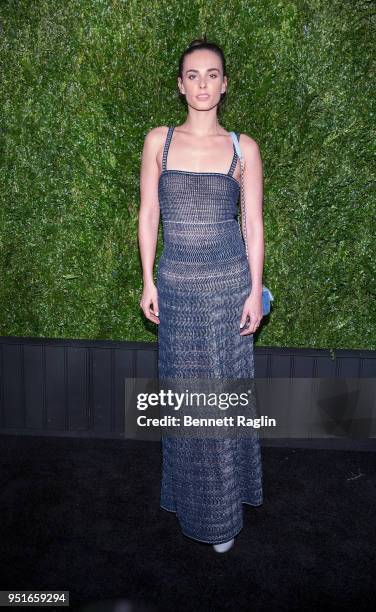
(12, 386)
(77, 387)
(34, 379)
(56, 388)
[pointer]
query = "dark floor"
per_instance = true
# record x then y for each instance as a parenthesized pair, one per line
(83, 516)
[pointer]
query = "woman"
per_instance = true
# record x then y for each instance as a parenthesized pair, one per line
(208, 298)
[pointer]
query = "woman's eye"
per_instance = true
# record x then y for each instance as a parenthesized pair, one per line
(193, 76)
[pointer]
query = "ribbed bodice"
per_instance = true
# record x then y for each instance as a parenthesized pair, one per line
(199, 214)
(190, 197)
(197, 197)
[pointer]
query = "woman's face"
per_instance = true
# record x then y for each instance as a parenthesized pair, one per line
(203, 81)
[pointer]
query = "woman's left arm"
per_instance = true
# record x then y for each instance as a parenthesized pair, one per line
(254, 194)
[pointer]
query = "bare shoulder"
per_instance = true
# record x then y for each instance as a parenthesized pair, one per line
(249, 145)
(156, 136)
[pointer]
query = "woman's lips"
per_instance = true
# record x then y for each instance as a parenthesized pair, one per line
(203, 97)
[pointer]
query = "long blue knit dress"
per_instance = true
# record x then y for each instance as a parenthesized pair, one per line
(203, 280)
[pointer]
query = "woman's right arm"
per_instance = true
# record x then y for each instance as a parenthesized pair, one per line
(148, 221)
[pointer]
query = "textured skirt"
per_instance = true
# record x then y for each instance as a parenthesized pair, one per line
(205, 481)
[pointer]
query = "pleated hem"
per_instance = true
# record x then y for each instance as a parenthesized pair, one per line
(221, 541)
(243, 502)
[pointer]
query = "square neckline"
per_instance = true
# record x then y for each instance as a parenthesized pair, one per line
(165, 170)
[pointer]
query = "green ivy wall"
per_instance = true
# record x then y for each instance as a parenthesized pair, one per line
(83, 81)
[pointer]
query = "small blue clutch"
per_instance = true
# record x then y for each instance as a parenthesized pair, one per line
(267, 297)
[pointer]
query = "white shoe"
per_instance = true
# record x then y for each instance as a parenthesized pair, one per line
(221, 548)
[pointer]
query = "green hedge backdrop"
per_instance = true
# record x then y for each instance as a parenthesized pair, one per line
(82, 83)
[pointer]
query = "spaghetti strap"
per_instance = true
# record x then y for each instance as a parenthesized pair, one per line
(166, 147)
(234, 159)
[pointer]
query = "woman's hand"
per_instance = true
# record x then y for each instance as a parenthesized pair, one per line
(150, 298)
(252, 313)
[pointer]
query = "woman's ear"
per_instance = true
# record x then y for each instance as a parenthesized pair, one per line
(181, 86)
